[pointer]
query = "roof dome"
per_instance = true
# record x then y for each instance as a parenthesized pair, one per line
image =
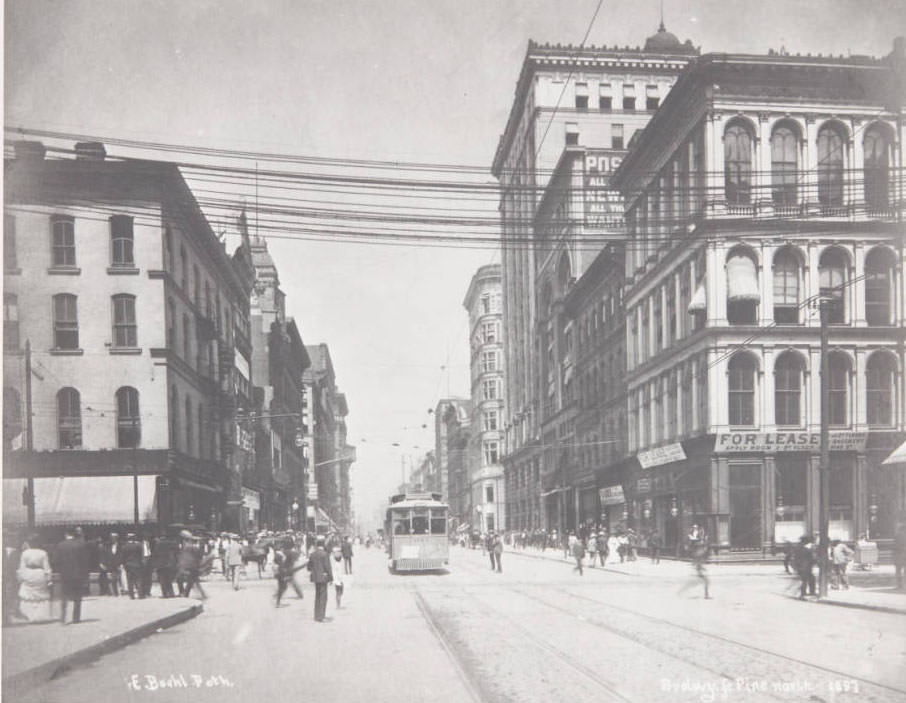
(663, 42)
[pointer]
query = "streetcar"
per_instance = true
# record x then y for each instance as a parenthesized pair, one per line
(416, 532)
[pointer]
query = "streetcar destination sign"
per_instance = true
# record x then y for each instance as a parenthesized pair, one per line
(770, 442)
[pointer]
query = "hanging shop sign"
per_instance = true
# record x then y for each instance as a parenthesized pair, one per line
(661, 455)
(611, 495)
(771, 442)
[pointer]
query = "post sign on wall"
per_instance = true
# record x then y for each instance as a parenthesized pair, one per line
(772, 442)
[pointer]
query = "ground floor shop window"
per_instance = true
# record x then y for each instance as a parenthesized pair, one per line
(840, 504)
(884, 488)
(790, 480)
(745, 506)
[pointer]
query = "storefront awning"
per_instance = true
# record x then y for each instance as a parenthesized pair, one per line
(81, 500)
(897, 456)
(699, 300)
(742, 280)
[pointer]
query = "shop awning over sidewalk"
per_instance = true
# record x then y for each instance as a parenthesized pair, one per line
(897, 456)
(85, 500)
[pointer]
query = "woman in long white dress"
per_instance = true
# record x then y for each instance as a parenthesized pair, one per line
(34, 576)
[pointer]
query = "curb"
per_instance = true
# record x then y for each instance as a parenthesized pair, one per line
(55, 667)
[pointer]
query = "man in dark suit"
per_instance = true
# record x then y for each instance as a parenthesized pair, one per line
(321, 575)
(70, 561)
(163, 560)
(134, 562)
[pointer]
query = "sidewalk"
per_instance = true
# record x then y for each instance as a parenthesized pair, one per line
(34, 652)
(870, 590)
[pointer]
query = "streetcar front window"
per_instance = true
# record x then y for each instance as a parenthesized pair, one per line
(420, 521)
(401, 524)
(438, 522)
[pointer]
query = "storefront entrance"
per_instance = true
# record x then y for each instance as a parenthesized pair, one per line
(745, 506)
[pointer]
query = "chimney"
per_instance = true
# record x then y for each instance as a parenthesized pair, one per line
(90, 151)
(29, 151)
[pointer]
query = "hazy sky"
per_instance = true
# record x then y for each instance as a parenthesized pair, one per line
(405, 80)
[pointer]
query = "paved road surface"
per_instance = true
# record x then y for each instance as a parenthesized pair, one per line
(537, 632)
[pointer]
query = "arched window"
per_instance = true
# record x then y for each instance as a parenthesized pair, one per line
(742, 288)
(788, 371)
(787, 270)
(128, 418)
(65, 321)
(880, 265)
(738, 165)
(877, 168)
(741, 394)
(10, 321)
(563, 273)
(832, 275)
(69, 419)
(121, 240)
(125, 330)
(189, 435)
(784, 165)
(830, 167)
(838, 379)
(880, 380)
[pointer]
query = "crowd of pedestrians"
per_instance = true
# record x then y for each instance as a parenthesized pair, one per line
(36, 571)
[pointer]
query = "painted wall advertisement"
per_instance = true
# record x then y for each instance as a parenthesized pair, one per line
(603, 204)
(771, 442)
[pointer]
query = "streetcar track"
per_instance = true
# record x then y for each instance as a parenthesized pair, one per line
(473, 687)
(536, 642)
(662, 649)
(700, 633)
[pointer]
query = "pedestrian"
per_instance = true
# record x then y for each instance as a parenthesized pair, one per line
(592, 548)
(654, 545)
(787, 556)
(804, 564)
(489, 546)
(12, 555)
(188, 565)
(601, 544)
(841, 555)
(147, 571)
(233, 556)
(70, 561)
(698, 549)
(286, 560)
(578, 550)
(133, 563)
(497, 552)
(899, 552)
(321, 575)
(34, 577)
(338, 575)
(346, 550)
(163, 561)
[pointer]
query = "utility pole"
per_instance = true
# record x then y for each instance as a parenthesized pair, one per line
(29, 439)
(824, 466)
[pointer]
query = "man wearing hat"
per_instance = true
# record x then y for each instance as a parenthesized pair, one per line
(134, 562)
(70, 560)
(321, 575)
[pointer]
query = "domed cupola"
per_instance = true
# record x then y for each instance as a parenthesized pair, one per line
(665, 42)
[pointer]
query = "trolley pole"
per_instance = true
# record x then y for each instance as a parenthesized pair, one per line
(824, 467)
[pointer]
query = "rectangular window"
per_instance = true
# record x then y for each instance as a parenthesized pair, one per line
(629, 97)
(488, 332)
(489, 389)
(572, 134)
(616, 136)
(489, 361)
(485, 304)
(658, 322)
(651, 98)
(9, 243)
(490, 453)
(10, 321)
(121, 236)
(605, 97)
(489, 494)
(65, 322)
(581, 96)
(125, 331)
(490, 420)
(63, 241)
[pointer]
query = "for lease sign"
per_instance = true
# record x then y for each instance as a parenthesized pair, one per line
(734, 442)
